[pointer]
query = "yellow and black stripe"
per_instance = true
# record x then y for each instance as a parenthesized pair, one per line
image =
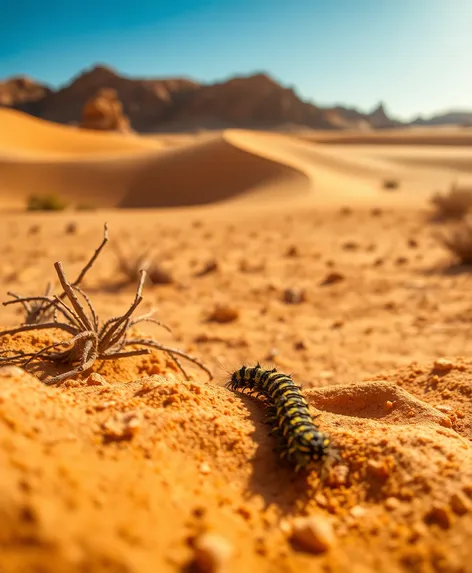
(301, 442)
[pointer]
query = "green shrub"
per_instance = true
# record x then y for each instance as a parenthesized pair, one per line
(47, 202)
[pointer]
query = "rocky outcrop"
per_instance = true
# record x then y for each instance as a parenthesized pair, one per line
(379, 118)
(21, 91)
(179, 103)
(104, 112)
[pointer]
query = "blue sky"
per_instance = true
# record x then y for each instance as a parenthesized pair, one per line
(416, 55)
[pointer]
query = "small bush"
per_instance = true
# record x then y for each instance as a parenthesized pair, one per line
(391, 184)
(454, 204)
(459, 241)
(48, 202)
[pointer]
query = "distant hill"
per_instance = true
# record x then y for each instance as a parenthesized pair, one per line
(179, 103)
(463, 118)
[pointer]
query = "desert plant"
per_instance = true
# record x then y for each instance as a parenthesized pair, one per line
(458, 240)
(132, 263)
(90, 340)
(47, 202)
(390, 184)
(454, 204)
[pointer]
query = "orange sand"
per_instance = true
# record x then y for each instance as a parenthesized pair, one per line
(366, 350)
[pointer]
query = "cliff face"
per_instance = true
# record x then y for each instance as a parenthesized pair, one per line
(153, 104)
(22, 92)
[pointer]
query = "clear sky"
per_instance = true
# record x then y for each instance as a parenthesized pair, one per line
(416, 55)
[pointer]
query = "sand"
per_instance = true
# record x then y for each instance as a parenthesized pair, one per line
(145, 471)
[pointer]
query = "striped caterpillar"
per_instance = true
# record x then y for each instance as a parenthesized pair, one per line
(301, 442)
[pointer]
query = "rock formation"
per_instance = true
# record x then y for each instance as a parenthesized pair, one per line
(104, 112)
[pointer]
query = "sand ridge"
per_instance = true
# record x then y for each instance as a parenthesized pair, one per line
(108, 170)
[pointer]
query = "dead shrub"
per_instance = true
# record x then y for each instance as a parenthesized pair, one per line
(458, 240)
(454, 204)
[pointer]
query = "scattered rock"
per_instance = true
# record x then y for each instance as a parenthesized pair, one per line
(212, 553)
(350, 246)
(332, 278)
(96, 379)
(122, 426)
(440, 515)
(400, 261)
(314, 534)
(12, 371)
(158, 275)
(412, 243)
(210, 267)
(292, 251)
(300, 345)
(294, 295)
(71, 228)
(205, 468)
(378, 469)
(224, 313)
(443, 365)
(392, 503)
(460, 504)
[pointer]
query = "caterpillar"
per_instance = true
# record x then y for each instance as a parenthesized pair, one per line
(300, 440)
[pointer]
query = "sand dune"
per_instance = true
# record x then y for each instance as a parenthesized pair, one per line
(110, 170)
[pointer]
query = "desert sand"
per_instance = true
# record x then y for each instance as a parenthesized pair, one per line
(328, 277)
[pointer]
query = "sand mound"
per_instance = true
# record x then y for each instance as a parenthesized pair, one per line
(24, 136)
(199, 458)
(211, 171)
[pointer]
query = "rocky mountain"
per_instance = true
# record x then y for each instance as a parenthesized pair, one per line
(22, 90)
(463, 118)
(379, 118)
(158, 104)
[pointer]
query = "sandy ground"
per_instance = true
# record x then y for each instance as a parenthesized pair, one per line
(145, 471)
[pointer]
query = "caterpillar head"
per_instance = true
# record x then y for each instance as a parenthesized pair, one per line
(308, 448)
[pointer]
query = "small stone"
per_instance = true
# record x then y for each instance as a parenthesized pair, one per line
(392, 503)
(292, 251)
(443, 365)
(400, 261)
(388, 404)
(210, 267)
(123, 426)
(71, 228)
(412, 243)
(440, 515)
(294, 295)
(300, 345)
(350, 246)
(12, 371)
(158, 275)
(338, 476)
(205, 468)
(224, 313)
(332, 278)
(358, 511)
(96, 379)
(378, 469)
(212, 553)
(444, 408)
(313, 533)
(460, 504)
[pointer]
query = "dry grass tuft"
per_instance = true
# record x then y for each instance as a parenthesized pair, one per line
(454, 204)
(459, 241)
(131, 264)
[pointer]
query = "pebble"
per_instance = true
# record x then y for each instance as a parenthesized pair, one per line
(332, 278)
(313, 533)
(443, 365)
(223, 313)
(96, 379)
(212, 553)
(460, 504)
